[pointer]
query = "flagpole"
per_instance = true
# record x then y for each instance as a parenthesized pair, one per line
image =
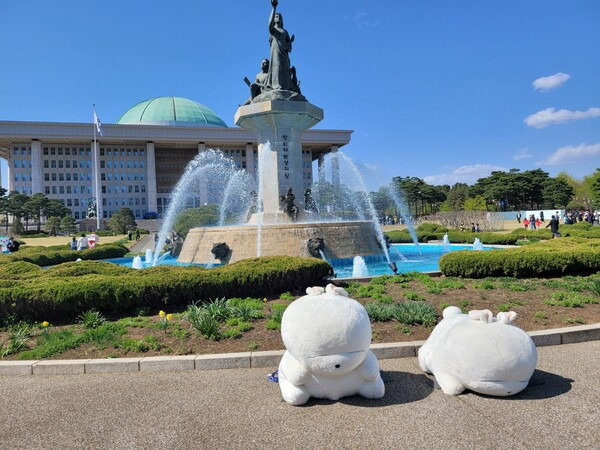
(95, 171)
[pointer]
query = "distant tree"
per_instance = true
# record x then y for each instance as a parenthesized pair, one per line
(381, 201)
(35, 207)
(122, 221)
(4, 206)
(54, 208)
(475, 204)
(456, 197)
(52, 225)
(17, 227)
(68, 225)
(557, 192)
(195, 217)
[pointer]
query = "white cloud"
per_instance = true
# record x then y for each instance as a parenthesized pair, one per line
(570, 154)
(522, 154)
(550, 116)
(465, 174)
(361, 20)
(552, 82)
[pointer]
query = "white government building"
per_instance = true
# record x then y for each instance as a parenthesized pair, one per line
(140, 158)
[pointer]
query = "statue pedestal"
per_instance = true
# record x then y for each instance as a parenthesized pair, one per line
(279, 125)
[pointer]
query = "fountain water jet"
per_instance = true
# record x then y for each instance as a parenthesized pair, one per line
(359, 267)
(446, 243)
(477, 245)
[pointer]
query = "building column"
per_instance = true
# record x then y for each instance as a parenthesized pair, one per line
(11, 174)
(335, 166)
(37, 176)
(97, 182)
(250, 159)
(201, 147)
(321, 168)
(151, 177)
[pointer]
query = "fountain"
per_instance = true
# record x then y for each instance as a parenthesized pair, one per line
(477, 245)
(148, 257)
(359, 267)
(446, 243)
(281, 223)
(137, 263)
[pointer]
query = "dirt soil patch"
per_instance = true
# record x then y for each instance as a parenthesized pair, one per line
(529, 298)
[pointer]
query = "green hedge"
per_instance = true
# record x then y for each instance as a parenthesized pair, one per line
(65, 291)
(57, 254)
(550, 258)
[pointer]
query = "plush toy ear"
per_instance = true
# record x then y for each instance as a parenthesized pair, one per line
(316, 290)
(507, 317)
(484, 315)
(335, 290)
(451, 311)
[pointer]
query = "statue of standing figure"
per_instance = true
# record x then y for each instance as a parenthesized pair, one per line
(281, 81)
(260, 81)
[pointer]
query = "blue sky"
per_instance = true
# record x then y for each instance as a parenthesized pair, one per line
(446, 91)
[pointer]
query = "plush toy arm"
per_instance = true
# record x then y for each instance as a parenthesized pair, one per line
(484, 315)
(369, 368)
(507, 317)
(316, 290)
(292, 370)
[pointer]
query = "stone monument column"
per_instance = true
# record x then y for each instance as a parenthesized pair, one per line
(151, 176)
(201, 147)
(279, 125)
(37, 177)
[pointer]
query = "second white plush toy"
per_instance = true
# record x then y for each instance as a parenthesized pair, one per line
(327, 336)
(479, 352)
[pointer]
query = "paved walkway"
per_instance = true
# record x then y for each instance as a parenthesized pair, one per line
(241, 409)
(146, 241)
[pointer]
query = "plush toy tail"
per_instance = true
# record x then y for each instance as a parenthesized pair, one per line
(507, 317)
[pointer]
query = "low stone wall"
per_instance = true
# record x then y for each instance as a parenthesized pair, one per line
(341, 240)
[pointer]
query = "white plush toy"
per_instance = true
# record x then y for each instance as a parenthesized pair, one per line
(479, 352)
(327, 336)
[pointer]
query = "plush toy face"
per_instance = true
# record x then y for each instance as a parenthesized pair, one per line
(329, 334)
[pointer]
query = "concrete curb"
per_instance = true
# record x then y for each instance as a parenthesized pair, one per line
(247, 360)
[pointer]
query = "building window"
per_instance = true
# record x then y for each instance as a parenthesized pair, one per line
(53, 177)
(102, 165)
(76, 201)
(45, 150)
(69, 201)
(61, 189)
(60, 163)
(68, 151)
(55, 189)
(61, 176)
(68, 176)
(47, 190)
(68, 191)
(46, 177)
(52, 151)
(60, 151)
(53, 164)
(104, 189)
(16, 163)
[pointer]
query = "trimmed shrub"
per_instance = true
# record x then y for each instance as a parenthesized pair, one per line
(58, 254)
(68, 290)
(431, 228)
(551, 258)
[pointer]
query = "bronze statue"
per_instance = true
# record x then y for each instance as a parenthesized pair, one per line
(315, 246)
(260, 81)
(221, 251)
(281, 45)
(281, 81)
(290, 209)
(309, 202)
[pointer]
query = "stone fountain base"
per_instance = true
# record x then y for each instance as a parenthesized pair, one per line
(341, 240)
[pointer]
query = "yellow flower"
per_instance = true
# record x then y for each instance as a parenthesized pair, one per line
(45, 324)
(265, 299)
(169, 317)
(161, 313)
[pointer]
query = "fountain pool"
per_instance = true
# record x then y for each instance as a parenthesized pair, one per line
(408, 258)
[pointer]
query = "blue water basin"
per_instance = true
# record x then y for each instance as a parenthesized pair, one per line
(408, 258)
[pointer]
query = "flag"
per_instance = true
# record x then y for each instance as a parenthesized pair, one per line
(97, 123)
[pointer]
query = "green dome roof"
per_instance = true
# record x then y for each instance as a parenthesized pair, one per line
(171, 111)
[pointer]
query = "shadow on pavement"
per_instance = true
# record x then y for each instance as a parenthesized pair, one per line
(544, 385)
(400, 388)
(541, 386)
